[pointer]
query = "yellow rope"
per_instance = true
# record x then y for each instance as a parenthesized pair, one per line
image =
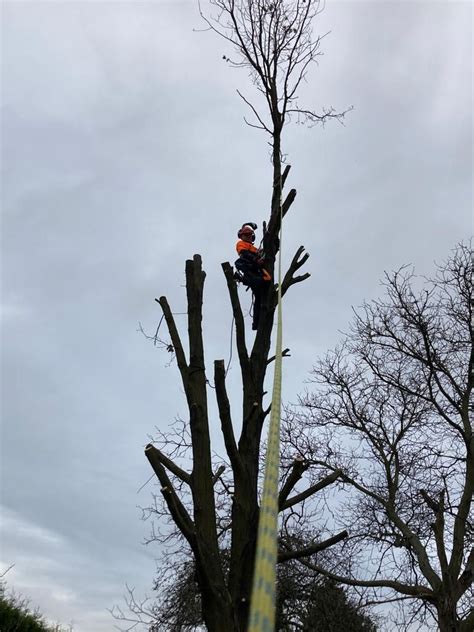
(262, 606)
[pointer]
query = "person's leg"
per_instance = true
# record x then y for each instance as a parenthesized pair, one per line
(257, 302)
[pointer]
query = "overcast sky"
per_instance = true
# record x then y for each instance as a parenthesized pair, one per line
(124, 153)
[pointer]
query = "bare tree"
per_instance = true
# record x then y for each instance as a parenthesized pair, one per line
(274, 41)
(392, 410)
(306, 601)
(212, 510)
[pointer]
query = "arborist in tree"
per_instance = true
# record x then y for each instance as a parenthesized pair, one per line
(250, 267)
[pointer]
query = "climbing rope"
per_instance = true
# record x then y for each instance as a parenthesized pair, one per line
(262, 606)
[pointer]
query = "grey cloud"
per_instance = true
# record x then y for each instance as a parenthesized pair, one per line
(125, 153)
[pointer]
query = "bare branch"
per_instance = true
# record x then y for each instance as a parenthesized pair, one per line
(7, 570)
(405, 589)
(327, 480)
(257, 115)
(307, 551)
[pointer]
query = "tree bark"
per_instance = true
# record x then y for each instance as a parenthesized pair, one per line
(447, 617)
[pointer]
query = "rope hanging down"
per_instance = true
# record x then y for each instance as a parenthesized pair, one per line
(262, 606)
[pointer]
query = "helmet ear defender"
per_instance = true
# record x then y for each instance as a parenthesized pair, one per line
(247, 230)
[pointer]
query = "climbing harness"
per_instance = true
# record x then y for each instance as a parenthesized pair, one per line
(249, 268)
(262, 606)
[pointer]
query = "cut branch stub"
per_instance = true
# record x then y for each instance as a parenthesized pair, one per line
(155, 454)
(284, 176)
(239, 321)
(297, 470)
(313, 489)
(225, 415)
(299, 259)
(176, 508)
(290, 198)
(175, 339)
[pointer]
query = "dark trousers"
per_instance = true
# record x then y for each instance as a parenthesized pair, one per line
(253, 278)
(258, 286)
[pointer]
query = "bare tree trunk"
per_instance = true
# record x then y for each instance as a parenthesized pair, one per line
(226, 597)
(447, 616)
(200, 531)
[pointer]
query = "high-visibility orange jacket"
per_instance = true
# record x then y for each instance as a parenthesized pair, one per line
(245, 245)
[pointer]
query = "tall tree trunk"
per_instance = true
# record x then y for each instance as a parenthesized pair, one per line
(245, 503)
(225, 599)
(217, 609)
(447, 616)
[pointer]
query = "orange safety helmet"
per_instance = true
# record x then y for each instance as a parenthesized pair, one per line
(247, 230)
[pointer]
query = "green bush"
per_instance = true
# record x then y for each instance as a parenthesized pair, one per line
(16, 614)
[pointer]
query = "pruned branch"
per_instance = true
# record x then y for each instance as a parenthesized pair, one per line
(327, 480)
(285, 354)
(239, 319)
(155, 453)
(224, 414)
(307, 551)
(288, 201)
(175, 339)
(297, 262)
(195, 277)
(284, 176)
(298, 468)
(176, 508)
(220, 470)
